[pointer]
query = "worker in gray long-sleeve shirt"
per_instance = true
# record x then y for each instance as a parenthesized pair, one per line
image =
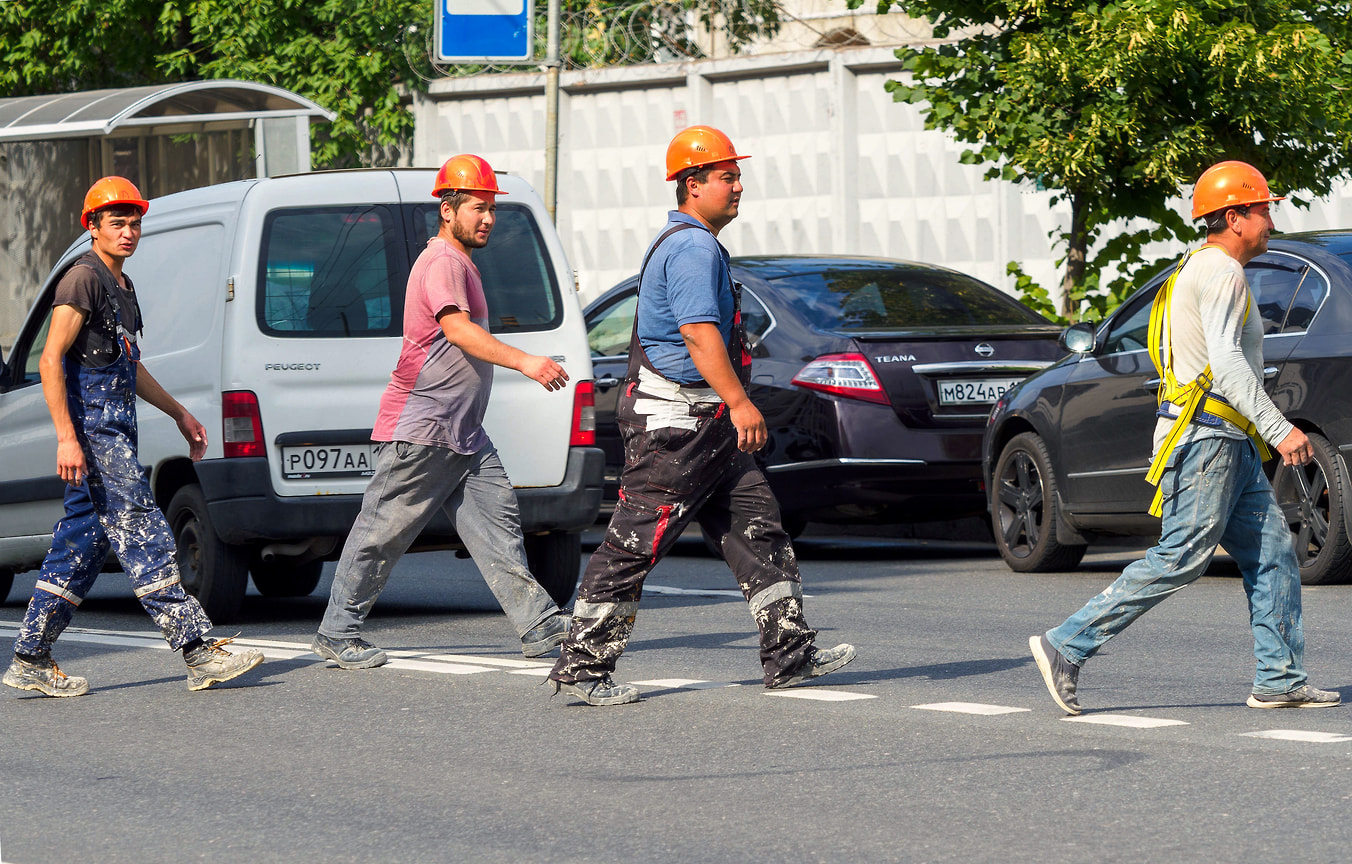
(1207, 343)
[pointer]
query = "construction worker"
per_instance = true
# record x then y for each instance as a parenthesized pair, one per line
(1206, 339)
(91, 376)
(433, 451)
(689, 431)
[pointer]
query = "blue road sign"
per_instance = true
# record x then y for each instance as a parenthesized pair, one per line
(480, 30)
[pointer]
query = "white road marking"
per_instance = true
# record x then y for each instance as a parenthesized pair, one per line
(696, 592)
(821, 695)
(971, 708)
(1125, 720)
(1299, 735)
(685, 684)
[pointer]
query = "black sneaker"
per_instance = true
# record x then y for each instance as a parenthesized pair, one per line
(45, 677)
(820, 662)
(209, 663)
(350, 653)
(602, 691)
(1059, 674)
(1303, 696)
(547, 635)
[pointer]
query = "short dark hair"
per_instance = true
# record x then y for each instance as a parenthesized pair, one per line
(453, 197)
(1216, 221)
(113, 210)
(701, 175)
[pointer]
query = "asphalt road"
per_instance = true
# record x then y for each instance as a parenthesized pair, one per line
(457, 752)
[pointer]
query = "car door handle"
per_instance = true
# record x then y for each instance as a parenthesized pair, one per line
(1152, 385)
(1269, 372)
(605, 382)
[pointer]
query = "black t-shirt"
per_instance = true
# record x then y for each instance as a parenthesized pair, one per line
(87, 286)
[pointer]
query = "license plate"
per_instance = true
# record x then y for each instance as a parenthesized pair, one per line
(983, 392)
(330, 460)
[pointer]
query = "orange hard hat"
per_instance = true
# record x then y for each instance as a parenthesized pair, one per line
(110, 191)
(698, 146)
(1229, 184)
(466, 173)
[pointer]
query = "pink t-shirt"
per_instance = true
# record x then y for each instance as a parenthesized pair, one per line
(438, 393)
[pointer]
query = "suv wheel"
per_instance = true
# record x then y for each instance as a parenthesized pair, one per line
(283, 577)
(1314, 510)
(211, 571)
(1023, 509)
(555, 560)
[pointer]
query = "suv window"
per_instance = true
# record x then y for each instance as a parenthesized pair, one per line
(331, 271)
(518, 278)
(609, 330)
(1287, 290)
(1130, 330)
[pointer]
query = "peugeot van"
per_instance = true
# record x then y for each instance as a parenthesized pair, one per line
(273, 311)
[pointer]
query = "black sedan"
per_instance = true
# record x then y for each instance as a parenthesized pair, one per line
(1066, 452)
(874, 376)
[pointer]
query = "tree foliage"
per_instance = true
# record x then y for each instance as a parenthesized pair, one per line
(1116, 106)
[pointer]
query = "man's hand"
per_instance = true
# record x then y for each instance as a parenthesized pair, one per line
(70, 462)
(750, 425)
(1295, 448)
(195, 434)
(550, 374)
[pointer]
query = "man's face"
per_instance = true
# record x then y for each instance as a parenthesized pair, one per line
(1253, 229)
(117, 235)
(473, 222)
(717, 198)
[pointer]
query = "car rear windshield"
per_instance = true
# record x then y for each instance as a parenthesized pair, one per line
(889, 298)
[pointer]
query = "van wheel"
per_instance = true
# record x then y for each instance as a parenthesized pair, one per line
(1314, 511)
(6, 583)
(211, 571)
(555, 560)
(283, 577)
(1023, 509)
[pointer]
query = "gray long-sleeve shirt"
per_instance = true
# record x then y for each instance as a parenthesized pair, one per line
(1209, 326)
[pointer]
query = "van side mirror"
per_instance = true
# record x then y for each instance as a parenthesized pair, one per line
(1078, 338)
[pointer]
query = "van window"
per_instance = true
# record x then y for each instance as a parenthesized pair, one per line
(332, 271)
(518, 277)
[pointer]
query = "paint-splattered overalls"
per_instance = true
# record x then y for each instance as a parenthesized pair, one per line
(673, 474)
(113, 508)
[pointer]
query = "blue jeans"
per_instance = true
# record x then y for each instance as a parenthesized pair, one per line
(411, 481)
(1214, 492)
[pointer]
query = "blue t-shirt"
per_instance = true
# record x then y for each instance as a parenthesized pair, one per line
(686, 282)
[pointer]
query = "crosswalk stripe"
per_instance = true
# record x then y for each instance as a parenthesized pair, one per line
(685, 684)
(970, 708)
(821, 695)
(1125, 720)
(1299, 735)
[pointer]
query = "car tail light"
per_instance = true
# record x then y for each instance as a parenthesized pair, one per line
(242, 434)
(584, 416)
(847, 375)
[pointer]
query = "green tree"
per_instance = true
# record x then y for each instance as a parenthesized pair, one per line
(1115, 106)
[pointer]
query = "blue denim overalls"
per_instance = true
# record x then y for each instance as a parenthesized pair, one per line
(113, 508)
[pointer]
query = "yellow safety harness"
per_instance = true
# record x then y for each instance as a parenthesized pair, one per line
(1195, 401)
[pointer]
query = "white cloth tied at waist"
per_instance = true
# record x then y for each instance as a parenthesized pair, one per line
(666, 404)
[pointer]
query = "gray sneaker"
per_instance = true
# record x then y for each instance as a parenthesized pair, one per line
(210, 663)
(44, 676)
(547, 635)
(1059, 674)
(602, 691)
(820, 662)
(350, 653)
(1303, 696)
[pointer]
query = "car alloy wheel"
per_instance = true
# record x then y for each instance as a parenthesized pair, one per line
(1024, 509)
(1311, 497)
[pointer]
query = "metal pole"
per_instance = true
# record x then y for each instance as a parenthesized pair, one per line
(552, 65)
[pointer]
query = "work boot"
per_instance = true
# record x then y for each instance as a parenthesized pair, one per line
(209, 663)
(601, 691)
(1303, 696)
(352, 653)
(44, 676)
(1059, 674)
(547, 635)
(819, 662)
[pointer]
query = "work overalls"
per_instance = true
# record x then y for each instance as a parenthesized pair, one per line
(113, 508)
(686, 466)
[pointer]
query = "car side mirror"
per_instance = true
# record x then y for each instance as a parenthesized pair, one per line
(1078, 338)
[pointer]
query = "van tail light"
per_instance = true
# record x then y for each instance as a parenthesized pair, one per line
(846, 375)
(584, 416)
(242, 434)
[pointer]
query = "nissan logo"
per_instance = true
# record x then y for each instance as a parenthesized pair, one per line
(984, 349)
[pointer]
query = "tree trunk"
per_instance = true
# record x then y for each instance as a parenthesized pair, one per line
(1077, 242)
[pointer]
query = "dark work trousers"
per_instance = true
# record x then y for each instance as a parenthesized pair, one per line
(114, 508)
(672, 476)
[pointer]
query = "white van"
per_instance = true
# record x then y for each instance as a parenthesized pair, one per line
(273, 311)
